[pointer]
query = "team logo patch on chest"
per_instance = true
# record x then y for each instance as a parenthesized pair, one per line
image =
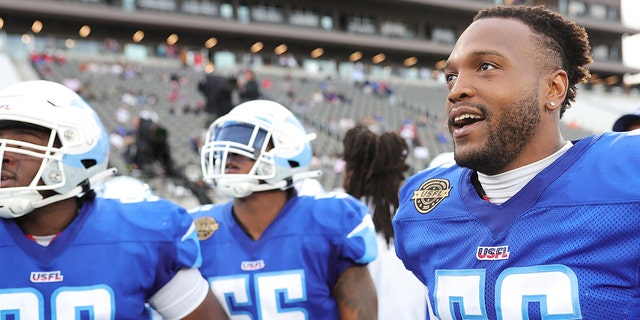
(430, 194)
(206, 226)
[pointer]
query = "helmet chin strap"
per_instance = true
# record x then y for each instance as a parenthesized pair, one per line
(266, 186)
(244, 189)
(307, 174)
(18, 209)
(77, 190)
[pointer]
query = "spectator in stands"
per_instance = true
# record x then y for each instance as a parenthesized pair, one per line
(248, 87)
(129, 98)
(382, 89)
(143, 156)
(152, 144)
(375, 168)
(128, 148)
(60, 57)
(269, 238)
(358, 75)
(42, 62)
(345, 123)
(175, 91)
(217, 92)
(375, 122)
(409, 132)
(627, 122)
(123, 117)
(316, 97)
(288, 60)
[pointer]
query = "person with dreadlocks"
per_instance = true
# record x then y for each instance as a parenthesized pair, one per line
(526, 224)
(374, 170)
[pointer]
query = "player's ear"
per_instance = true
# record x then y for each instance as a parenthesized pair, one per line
(556, 89)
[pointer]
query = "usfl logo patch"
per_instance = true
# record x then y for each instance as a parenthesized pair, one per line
(430, 194)
(206, 227)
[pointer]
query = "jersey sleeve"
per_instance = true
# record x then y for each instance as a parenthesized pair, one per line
(182, 250)
(358, 241)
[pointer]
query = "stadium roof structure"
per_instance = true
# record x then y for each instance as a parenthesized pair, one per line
(394, 33)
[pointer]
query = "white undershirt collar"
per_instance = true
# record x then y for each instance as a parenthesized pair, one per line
(500, 187)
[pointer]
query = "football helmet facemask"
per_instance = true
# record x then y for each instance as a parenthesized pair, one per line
(75, 156)
(266, 132)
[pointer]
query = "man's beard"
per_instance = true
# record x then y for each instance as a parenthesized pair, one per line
(507, 136)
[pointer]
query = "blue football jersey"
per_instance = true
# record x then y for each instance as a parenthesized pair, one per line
(566, 246)
(291, 270)
(110, 260)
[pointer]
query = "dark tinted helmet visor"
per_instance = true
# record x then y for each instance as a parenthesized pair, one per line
(242, 133)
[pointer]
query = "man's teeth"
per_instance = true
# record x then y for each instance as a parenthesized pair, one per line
(467, 116)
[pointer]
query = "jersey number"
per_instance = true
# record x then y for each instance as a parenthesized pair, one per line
(91, 303)
(270, 288)
(554, 287)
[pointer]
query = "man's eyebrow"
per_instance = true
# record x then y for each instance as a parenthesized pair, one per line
(487, 53)
(481, 53)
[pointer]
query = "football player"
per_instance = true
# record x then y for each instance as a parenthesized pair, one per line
(269, 253)
(526, 225)
(69, 255)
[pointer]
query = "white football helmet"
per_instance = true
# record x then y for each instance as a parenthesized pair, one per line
(266, 132)
(70, 169)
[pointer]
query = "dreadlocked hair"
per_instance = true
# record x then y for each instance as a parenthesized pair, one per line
(374, 171)
(558, 38)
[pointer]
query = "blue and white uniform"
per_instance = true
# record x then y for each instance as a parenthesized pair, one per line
(292, 268)
(566, 246)
(105, 265)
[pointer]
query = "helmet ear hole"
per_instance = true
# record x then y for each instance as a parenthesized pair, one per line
(88, 163)
(294, 164)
